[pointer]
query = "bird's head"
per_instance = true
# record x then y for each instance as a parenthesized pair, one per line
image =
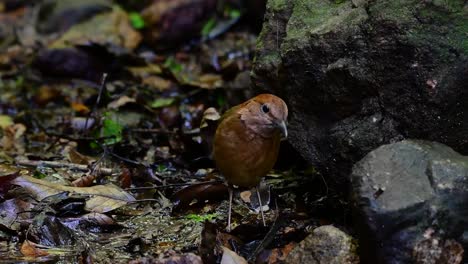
(265, 114)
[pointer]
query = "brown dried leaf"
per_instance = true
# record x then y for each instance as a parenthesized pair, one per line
(125, 177)
(84, 181)
(46, 94)
(80, 108)
(13, 210)
(29, 249)
(98, 218)
(231, 257)
(198, 194)
(110, 27)
(210, 81)
(13, 138)
(78, 158)
(121, 102)
(103, 198)
(157, 82)
(210, 114)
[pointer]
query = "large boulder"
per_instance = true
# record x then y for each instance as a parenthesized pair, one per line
(411, 203)
(359, 74)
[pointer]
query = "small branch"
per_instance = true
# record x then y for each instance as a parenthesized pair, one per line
(171, 185)
(165, 131)
(101, 89)
(154, 130)
(59, 164)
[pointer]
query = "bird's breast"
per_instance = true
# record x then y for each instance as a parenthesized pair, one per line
(242, 156)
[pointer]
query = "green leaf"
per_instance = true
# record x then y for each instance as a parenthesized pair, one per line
(136, 20)
(111, 130)
(161, 168)
(5, 121)
(234, 13)
(162, 102)
(39, 175)
(201, 218)
(221, 100)
(19, 82)
(173, 65)
(209, 25)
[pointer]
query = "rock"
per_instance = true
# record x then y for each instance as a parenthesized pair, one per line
(110, 28)
(326, 244)
(60, 15)
(174, 21)
(359, 74)
(411, 203)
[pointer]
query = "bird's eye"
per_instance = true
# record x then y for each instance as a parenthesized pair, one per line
(265, 108)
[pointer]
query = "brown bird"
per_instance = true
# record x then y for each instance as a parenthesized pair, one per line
(247, 141)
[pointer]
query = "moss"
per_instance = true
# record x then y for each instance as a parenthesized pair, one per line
(277, 5)
(443, 28)
(321, 17)
(400, 11)
(438, 24)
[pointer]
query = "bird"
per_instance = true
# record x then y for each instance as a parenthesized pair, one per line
(247, 141)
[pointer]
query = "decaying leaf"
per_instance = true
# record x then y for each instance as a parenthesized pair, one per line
(111, 27)
(120, 102)
(85, 181)
(103, 198)
(5, 121)
(75, 157)
(162, 102)
(198, 194)
(13, 210)
(231, 257)
(80, 108)
(210, 114)
(13, 138)
(89, 221)
(29, 249)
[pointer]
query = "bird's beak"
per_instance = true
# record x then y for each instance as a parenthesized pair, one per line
(283, 129)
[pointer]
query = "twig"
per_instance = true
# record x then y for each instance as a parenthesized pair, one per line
(64, 136)
(153, 130)
(268, 237)
(59, 164)
(171, 185)
(165, 131)
(101, 89)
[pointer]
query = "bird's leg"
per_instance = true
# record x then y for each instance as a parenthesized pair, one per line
(261, 205)
(230, 207)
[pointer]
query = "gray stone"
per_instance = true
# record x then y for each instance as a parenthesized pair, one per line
(406, 195)
(359, 74)
(326, 244)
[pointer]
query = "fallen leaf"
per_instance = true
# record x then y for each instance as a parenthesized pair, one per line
(121, 102)
(46, 94)
(82, 123)
(107, 28)
(13, 138)
(5, 121)
(162, 102)
(198, 194)
(103, 198)
(13, 210)
(89, 220)
(231, 257)
(85, 181)
(245, 196)
(158, 82)
(29, 249)
(75, 157)
(210, 81)
(80, 108)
